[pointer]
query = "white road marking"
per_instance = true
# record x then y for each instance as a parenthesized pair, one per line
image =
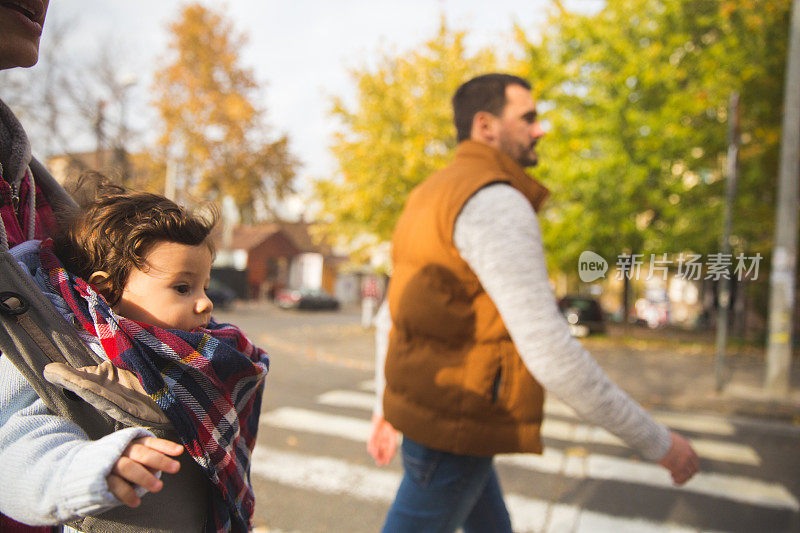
(697, 423)
(578, 464)
(558, 408)
(347, 398)
(739, 488)
(335, 476)
(558, 429)
(687, 422)
(729, 452)
(324, 474)
(555, 428)
(313, 422)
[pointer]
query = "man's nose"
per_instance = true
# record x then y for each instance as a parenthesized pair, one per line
(536, 130)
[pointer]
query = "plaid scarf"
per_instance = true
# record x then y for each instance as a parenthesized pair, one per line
(208, 382)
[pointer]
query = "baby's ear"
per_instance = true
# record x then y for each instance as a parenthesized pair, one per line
(101, 281)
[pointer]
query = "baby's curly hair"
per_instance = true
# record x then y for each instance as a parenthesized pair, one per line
(115, 231)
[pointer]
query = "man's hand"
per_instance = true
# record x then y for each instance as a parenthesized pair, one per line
(137, 464)
(681, 460)
(382, 442)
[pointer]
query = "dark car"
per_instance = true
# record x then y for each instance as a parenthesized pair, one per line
(306, 299)
(220, 294)
(584, 315)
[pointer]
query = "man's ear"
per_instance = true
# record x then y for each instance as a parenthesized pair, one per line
(485, 128)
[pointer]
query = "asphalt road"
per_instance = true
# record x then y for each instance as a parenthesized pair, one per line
(312, 474)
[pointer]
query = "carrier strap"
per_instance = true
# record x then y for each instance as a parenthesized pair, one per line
(34, 334)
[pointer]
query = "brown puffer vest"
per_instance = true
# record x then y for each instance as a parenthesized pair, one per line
(454, 380)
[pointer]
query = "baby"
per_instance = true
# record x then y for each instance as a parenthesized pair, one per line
(148, 257)
(150, 260)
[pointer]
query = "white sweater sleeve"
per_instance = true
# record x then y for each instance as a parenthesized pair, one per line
(498, 235)
(383, 325)
(52, 471)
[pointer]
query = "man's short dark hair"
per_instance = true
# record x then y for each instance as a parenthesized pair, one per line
(483, 93)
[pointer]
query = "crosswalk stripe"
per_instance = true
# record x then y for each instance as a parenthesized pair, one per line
(679, 421)
(553, 407)
(532, 515)
(324, 474)
(738, 488)
(697, 423)
(729, 452)
(346, 398)
(334, 476)
(313, 422)
(574, 462)
(578, 464)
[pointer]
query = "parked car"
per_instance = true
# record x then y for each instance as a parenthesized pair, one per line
(584, 315)
(306, 299)
(220, 294)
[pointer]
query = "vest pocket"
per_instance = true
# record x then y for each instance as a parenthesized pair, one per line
(498, 379)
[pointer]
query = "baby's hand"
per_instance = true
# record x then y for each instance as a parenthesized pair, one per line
(137, 464)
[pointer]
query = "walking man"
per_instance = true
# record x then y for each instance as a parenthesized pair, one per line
(476, 336)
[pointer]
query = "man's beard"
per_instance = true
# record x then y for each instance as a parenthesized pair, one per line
(523, 155)
(528, 158)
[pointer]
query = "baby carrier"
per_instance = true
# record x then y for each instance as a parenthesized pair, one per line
(33, 335)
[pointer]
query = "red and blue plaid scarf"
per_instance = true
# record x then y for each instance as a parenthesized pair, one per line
(208, 382)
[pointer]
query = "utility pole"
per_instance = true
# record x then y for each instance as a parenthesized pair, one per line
(100, 135)
(170, 180)
(724, 298)
(784, 255)
(123, 142)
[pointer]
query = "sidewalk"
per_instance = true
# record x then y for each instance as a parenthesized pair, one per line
(663, 374)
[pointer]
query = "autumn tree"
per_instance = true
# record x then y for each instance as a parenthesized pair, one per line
(638, 97)
(213, 138)
(398, 132)
(61, 94)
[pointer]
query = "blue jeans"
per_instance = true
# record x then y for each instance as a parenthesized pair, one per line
(441, 492)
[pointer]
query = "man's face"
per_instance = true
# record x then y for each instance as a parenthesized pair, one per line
(519, 127)
(21, 24)
(171, 292)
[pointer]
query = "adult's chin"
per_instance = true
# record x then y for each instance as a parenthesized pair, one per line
(527, 161)
(17, 52)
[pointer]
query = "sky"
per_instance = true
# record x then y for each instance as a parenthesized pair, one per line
(301, 51)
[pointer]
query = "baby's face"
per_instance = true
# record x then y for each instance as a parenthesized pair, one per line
(171, 292)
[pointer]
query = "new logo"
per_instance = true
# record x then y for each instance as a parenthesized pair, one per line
(591, 266)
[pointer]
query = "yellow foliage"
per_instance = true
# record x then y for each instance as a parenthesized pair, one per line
(212, 130)
(399, 131)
